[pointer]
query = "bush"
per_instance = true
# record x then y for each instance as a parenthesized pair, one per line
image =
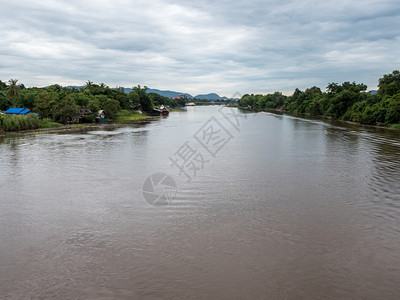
(13, 123)
(393, 111)
(90, 118)
(47, 123)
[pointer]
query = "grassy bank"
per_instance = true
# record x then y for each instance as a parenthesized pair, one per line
(16, 124)
(127, 117)
(233, 105)
(177, 109)
(25, 122)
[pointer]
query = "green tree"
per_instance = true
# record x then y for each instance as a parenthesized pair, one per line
(102, 99)
(144, 99)
(158, 99)
(247, 101)
(343, 97)
(340, 103)
(55, 88)
(27, 97)
(393, 110)
(13, 90)
(44, 103)
(82, 99)
(3, 86)
(111, 107)
(303, 102)
(133, 100)
(334, 88)
(4, 102)
(389, 84)
(89, 84)
(94, 104)
(120, 95)
(65, 111)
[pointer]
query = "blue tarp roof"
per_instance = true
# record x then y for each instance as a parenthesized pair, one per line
(19, 111)
(14, 110)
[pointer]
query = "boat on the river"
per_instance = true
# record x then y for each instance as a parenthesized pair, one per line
(162, 111)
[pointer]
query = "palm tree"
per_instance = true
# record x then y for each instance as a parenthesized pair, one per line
(89, 84)
(13, 89)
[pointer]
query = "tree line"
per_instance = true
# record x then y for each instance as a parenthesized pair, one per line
(348, 101)
(62, 104)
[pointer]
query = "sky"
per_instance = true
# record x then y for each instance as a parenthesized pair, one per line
(226, 47)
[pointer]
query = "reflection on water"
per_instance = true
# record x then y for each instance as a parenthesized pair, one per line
(288, 208)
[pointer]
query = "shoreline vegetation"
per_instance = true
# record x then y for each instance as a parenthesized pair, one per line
(14, 124)
(59, 106)
(63, 106)
(76, 128)
(348, 102)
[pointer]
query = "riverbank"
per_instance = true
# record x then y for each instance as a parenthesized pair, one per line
(12, 125)
(281, 111)
(177, 109)
(77, 128)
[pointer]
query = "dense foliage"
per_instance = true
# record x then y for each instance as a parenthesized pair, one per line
(348, 101)
(263, 102)
(62, 104)
(159, 100)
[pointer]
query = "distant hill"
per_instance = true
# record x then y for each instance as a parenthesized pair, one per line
(72, 86)
(373, 92)
(211, 96)
(169, 94)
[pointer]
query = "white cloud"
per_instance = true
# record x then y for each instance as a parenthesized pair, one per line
(200, 46)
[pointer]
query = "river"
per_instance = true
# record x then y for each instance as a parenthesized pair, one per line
(210, 203)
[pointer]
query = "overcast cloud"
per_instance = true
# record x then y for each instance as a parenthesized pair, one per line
(249, 46)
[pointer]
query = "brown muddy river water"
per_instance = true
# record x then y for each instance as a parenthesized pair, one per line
(204, 204)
